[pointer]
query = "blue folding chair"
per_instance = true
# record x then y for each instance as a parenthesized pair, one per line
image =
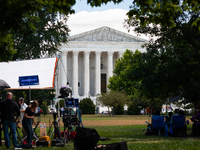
(158, 126)
(179, 126)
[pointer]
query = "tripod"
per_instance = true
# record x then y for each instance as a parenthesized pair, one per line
(17, 127)
(54, 133)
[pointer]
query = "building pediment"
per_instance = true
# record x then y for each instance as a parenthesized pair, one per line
(105, 34)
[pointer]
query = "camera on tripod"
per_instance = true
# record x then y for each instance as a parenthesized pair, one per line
(65, 92)
(70, 117)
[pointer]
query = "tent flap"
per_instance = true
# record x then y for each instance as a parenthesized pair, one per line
(175, 99)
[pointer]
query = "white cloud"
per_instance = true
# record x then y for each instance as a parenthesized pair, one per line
(85, 21)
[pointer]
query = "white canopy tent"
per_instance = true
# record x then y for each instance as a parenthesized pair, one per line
(43, 68)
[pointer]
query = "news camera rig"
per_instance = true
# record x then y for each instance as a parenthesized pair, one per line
(72, 115)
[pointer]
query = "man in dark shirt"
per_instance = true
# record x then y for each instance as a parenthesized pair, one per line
(9, 109)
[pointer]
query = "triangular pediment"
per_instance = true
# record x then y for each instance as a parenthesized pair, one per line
(106, 34)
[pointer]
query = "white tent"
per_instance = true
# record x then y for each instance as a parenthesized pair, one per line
(43, 68)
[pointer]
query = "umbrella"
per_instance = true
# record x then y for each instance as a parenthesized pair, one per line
(3, 84)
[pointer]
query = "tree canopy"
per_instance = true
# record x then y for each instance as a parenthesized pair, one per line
(112, 99)
(20, 16)
(128, 78)
(170, 65)
(162, 12)
(49, 34)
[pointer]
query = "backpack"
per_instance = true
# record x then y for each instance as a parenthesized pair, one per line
(86, 139)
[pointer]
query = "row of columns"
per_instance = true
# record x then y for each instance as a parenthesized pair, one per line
(86, 71)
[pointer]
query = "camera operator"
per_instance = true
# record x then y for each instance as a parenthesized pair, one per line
(8, 108)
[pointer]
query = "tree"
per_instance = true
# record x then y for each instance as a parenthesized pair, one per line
(19, 16)
(39, 95)
(87, 106)
(112, 99)
(48, 36)
(127, 78)
(123, 79)
(169, 67)
(133, 109)
(61, 103)
(119, 110)
(44, 107)
(162, 12)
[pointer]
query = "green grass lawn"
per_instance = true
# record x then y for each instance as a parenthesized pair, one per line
(134, 136)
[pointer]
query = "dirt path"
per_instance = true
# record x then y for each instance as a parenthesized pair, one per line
(113, 122)
(106, 122)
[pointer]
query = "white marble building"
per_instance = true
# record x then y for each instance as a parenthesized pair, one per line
(88, 59)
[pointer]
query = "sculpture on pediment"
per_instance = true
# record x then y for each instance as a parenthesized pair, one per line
(105, 34)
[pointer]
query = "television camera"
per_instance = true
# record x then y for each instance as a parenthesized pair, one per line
(65, 92)
(72, 115)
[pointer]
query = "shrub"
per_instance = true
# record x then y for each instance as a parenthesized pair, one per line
(44, 107)
(119, 110)
(61, 103)
(87, 106)
(133, 110)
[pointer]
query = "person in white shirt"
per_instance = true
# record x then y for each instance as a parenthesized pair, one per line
(23, 107)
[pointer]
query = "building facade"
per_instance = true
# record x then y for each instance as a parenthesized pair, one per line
(88, 59)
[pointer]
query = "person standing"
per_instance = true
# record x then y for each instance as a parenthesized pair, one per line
(23, 107)
(28, 120)
(9, 109)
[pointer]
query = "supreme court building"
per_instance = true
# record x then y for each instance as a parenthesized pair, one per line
(88, 59)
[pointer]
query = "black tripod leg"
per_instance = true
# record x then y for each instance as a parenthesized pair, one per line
(19, 136)
(0, 135)
(51, 131)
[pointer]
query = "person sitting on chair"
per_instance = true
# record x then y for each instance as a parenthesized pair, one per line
(157, 123)
(181, 113)
(175, 114)
(28, 120)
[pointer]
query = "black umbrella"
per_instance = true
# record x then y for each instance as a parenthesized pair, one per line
(3, 84)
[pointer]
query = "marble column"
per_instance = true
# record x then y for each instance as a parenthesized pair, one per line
(63, 68)
(98, 73)
(86, 73)
(75, 74)
(120, 53)
(110, 65)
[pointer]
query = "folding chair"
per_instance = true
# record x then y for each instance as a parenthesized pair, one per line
(179, 126)
(158, 126)
(34, 132)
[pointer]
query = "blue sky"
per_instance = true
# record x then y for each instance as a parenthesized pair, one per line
(82, 5)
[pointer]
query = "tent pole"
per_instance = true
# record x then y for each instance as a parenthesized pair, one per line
(29, 95)
(166, 108)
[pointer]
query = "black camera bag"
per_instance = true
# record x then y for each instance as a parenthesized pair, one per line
(86, 139)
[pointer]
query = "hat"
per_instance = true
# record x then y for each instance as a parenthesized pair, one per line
(21, 99)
